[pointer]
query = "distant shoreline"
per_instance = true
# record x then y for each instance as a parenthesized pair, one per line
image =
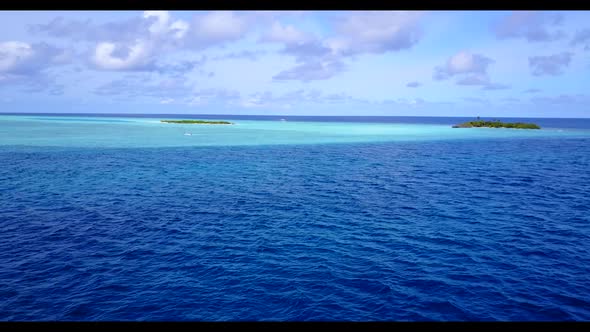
(277, 116)
(196, 122)
(497, 124)
(545, 123)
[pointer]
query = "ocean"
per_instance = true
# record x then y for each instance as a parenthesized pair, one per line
(124, 218)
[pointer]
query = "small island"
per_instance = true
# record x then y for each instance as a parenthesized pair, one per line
(195, 122)
(497, 124)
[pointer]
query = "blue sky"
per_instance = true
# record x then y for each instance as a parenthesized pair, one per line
(439, 63)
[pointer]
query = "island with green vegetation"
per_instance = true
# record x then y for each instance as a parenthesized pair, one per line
(497, 124)
(195, 122)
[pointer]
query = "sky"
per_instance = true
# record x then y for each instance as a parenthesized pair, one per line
(397, 63)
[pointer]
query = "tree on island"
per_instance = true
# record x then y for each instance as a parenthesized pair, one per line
(496, 124)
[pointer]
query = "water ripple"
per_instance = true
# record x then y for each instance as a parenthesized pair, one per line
(356, 232)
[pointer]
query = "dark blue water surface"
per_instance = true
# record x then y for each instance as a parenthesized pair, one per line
(401, 231)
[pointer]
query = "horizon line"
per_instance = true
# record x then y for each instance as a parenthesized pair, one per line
(295, 115)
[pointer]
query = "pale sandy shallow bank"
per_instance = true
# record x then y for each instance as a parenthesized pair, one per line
(146, 132)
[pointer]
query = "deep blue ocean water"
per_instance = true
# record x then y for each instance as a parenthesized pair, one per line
(446, 230)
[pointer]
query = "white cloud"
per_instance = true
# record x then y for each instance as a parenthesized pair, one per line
(463, 63)
(354, 33)
(550, 65)
(530, 25)
(23, 64)
(179, 29)
(470, 69)
(23, 58)
(12, 54)
(284, 34)
(217, 28)
(137, 55)
(377, 32)
(161, 23)
(163, 26)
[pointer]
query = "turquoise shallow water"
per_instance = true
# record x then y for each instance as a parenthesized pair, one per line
(150, 132)
(120, 218)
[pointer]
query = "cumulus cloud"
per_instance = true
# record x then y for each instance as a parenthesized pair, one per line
(142, 43)
(154, 23)
(303, 46)
(464, 63)
(217, 28)
(413, 84)
(160, 32)
(470, 69)
(162, 25)
(206, 29)
(135, 44)
(314, 60)
(128, 45)
(534, 26)
(23, 58)
(111, 56)
(550, 65)
(284, 34)
(376, 32)
(354, 34)
(582, 37)
(160, 21)
(87, 31)
(27, 64)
